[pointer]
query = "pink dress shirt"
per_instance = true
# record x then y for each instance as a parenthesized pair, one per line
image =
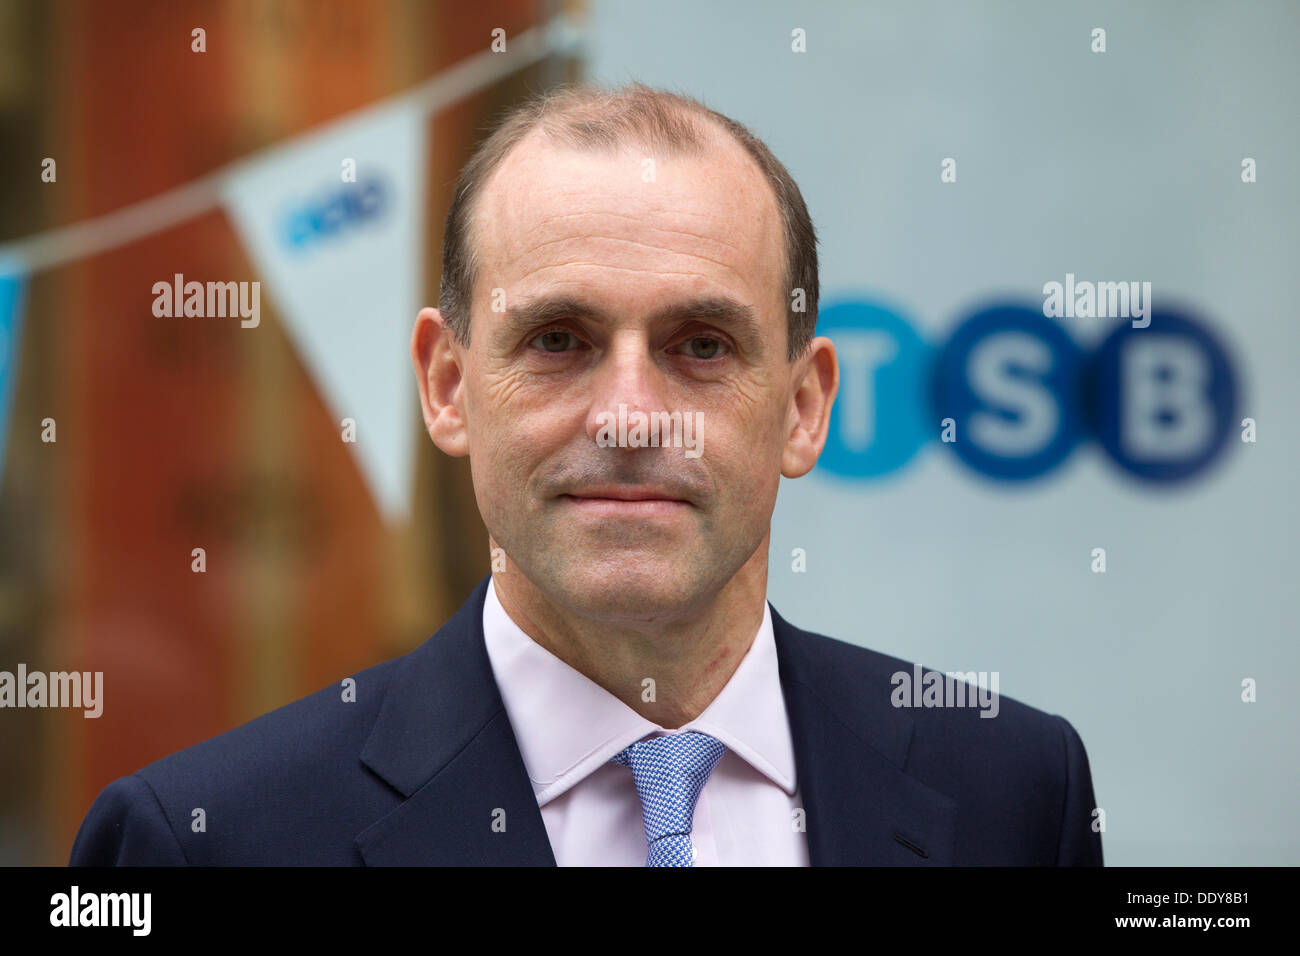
(568, 727)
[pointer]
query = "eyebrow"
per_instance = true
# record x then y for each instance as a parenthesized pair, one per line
(736, 317)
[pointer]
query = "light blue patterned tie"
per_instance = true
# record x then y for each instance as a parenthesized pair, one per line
(670, 772)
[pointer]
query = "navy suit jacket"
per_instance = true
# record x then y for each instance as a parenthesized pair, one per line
(415, 770)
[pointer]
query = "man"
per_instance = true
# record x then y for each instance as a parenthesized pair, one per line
(625, 352)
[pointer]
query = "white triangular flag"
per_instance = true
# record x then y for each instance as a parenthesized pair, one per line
(343, 261)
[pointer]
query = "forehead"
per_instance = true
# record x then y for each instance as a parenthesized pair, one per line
(552, 214)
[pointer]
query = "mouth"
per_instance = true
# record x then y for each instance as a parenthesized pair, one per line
(626, 501)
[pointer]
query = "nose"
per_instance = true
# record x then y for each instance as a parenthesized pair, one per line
(626, 375)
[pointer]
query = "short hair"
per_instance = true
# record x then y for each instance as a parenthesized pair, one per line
(586, 117)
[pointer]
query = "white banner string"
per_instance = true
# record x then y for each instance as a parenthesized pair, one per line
(68, 243)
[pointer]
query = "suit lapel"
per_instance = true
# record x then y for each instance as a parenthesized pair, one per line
(443, 740)
(850, 749)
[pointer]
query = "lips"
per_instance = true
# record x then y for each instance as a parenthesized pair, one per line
(625, 493)
(625, 502)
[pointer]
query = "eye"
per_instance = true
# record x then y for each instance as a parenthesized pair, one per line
(554, 340)
(704, 346)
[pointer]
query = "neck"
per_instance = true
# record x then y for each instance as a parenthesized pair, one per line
(690, 658)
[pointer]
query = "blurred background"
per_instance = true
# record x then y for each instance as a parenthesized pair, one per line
(223, 513)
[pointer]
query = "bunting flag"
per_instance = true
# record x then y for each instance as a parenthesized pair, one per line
(12, 286)
(334, 222)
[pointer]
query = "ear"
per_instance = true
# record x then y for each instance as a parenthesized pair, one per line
(439, 374)
(810, 408)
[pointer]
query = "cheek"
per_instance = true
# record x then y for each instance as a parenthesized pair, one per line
(746, 464)
(502, 455)
(749, 432)
(508, 445)
(503, 388)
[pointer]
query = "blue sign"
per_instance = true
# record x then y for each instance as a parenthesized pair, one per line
(1007, 387)
(1165, 397)
(881, 419)
(1012, 395)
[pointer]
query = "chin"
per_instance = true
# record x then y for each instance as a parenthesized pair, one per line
(631, 592)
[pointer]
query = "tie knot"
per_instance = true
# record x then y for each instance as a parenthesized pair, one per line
(670, 771)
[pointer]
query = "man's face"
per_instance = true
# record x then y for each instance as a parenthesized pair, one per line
(654, 288)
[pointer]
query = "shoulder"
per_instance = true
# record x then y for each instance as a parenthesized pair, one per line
(296, 738)
(242, 796)
(951, 703)
(1014, 769)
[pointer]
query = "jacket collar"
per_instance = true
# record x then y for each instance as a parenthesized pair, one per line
(851, 747)
(442, 739)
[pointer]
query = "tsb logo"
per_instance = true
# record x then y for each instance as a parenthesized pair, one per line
(1012, 395)
(349, 206)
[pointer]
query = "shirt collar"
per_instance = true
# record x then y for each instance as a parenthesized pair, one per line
(567, 725)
